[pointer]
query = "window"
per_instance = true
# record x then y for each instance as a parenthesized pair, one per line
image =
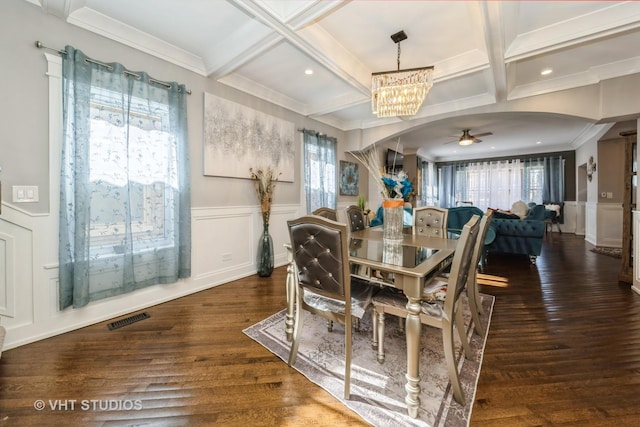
(125, 199)
(320, 171)
(134, 165)
(498, 184)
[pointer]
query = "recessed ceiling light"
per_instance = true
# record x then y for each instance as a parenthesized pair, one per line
(308, 71)
(493, 148)
(546, 72)
(538, 142)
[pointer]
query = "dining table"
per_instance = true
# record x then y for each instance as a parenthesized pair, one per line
(407, 264)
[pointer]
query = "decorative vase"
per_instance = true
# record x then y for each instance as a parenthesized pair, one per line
(393, 219)
(392, 252)
(265, 253)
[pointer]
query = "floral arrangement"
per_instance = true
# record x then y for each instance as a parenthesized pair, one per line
(395, 186)
(265, 182)
(398, 185)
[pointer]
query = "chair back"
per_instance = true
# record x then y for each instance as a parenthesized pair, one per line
(326, 213)
(485, 222)
(478, 248)
(320, 252)
(461, 263)
(355, 218)
(430, 221)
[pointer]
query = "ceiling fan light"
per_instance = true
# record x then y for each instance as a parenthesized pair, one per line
(466, 138)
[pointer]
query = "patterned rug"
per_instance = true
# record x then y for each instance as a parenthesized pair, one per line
(377, 390)
(612, 252)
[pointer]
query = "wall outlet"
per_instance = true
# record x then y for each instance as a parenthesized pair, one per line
(25, 193)
(603, 195)
(226, 257)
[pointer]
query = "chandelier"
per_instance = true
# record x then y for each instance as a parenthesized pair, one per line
(400, 92)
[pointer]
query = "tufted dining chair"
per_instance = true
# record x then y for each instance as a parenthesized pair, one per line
(430, 221)
(475, 303)
(324, 285)
(444, 313)
(355, 218)
(326, 213)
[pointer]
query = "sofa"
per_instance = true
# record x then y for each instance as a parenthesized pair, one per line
(519, 236)
(507, 233)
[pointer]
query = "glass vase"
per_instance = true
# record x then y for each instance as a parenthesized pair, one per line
(265, 253)
(393, 219)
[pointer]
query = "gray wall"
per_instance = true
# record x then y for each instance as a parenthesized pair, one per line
(24, 108)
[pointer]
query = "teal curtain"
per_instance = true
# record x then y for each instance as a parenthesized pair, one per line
(553, 189)
(125, 220)
(452, 185)
(320, 160)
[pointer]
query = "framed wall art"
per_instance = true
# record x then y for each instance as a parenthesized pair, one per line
(348, 178)
(237, 138)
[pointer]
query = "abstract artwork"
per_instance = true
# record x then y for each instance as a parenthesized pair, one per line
(348, 178)
(237, 138)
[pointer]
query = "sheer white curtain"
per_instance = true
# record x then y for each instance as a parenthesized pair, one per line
(492, 184)
(498, 184)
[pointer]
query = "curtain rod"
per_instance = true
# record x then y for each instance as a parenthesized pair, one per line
(311, 130)
(39, 45)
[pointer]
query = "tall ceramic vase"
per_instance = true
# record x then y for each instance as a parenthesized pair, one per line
(393, 219)
(265, 252)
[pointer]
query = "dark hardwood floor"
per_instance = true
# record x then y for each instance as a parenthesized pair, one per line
(563, 349)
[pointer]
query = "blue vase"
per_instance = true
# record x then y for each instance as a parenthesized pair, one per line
(265, 253)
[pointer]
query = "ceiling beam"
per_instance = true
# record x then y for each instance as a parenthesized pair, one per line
(324, 57)
(494, 35)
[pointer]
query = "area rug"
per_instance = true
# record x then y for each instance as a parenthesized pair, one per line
(612, 252)
(377, 390)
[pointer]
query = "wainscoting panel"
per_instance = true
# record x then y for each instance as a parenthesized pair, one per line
(609, 230)
(569, 218)
(215, 245)
(7, 282)
(224, 243)
(635, 226)
(591, 222)
(16, 254)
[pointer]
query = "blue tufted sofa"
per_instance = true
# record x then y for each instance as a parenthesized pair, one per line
(507, 233)
(519, 236)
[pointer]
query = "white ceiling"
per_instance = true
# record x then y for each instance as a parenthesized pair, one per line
(484, 53)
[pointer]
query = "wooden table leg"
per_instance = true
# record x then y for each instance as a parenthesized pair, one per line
(413, 330)
(291, 293)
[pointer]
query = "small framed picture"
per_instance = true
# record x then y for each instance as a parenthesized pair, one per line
(348, 178)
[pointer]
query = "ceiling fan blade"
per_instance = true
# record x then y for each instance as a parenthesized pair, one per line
(482, 134)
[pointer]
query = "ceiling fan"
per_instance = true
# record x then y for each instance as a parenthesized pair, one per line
(468, 139)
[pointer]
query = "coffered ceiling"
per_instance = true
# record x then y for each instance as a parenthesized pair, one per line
(485, 54)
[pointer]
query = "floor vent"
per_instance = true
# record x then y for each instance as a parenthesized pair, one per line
(127, 321)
